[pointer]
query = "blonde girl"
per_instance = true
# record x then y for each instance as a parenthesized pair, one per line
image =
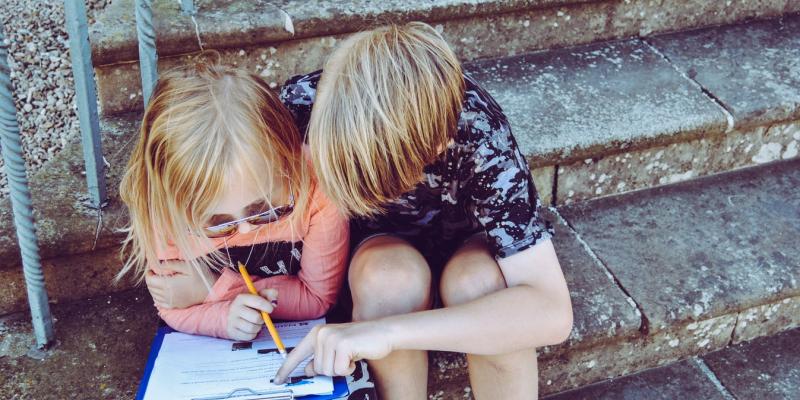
(219, 176)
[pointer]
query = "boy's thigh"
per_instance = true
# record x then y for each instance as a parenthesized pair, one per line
(472, 272)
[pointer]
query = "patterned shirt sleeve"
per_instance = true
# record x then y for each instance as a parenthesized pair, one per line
(298, 94)
(501, 193)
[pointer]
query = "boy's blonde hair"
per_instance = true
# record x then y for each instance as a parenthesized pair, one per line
(203, 124)
(388, 110)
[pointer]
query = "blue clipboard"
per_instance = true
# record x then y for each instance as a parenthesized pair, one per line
(339, 383)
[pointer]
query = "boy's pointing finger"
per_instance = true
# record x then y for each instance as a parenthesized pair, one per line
(301, 352)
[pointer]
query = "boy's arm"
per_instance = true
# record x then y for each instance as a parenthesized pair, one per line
(498, 323)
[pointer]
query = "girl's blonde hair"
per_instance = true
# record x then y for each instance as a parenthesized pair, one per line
(203, 124)
(391, 106)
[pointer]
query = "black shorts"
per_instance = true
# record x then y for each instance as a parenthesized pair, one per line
(436, 252)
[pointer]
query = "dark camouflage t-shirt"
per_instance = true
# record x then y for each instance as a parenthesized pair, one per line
(481, 183)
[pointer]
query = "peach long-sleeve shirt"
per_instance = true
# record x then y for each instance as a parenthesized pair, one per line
(309, 294)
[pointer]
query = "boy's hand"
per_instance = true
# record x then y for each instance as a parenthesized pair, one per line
(185, 287)
(336, 348)
(244, 316)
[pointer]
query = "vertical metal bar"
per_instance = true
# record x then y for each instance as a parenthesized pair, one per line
(147, 47)
(21, 205)
(187, 6)
(86, 98)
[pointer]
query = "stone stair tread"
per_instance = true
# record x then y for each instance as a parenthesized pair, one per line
(753, 68)
(251, 22)
(707, 262)
(569, 104)
(681, 380)
(700, 249)
(760, 369)
(765, 368)
(101, 350)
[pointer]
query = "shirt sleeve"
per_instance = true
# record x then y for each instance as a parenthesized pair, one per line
(499, 189)
(298, 94)
(312, 292)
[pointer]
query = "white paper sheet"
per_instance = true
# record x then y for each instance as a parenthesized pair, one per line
(191, 367)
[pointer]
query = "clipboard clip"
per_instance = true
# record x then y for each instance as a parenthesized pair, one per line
(250, 394)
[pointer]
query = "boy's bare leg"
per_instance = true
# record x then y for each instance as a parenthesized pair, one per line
(472, 273)
(389, 277)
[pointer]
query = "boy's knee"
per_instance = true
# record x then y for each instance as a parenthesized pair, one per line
(469, 277)
(388, 280)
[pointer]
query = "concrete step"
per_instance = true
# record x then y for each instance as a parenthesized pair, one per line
(655, 276)
(765, 368)
(254, 32)
(672, 272)
(593, 120)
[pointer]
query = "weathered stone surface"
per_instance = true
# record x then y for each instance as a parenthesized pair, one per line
(119, 85)
(65, 225)
(765, 368)
(754, 69)
(223, 24)
(543, 179)
(578, 366)
(767, 320)
(100, 354)
(680, 380)
(701, 249)
(66, 278)
(601, 310)
(680, 161)
(575, 103)
(475, 29)
(582, 366)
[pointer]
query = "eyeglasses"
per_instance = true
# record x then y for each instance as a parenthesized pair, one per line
(271, 215)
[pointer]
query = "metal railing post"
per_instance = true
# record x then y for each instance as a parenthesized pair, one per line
(86, 99)
(147, 47)
(21, 205)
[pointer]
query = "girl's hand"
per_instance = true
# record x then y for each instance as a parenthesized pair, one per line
(185, 287)
(336, 348)
(244, 316)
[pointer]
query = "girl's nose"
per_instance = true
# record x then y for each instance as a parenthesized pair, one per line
(245, 227)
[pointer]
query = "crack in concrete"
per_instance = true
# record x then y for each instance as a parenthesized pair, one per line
(730, 122)
(723, 391)
(554, 192)
(733, 330)
(644, 327)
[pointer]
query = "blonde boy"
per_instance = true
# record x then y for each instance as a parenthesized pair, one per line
(444, 211)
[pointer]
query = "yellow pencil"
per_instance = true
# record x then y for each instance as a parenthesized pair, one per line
(267, 320)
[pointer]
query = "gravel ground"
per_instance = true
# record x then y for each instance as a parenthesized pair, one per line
(42, 76)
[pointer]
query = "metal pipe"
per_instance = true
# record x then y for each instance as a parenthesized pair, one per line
(146, 35)
(11, 149)
(86, 99)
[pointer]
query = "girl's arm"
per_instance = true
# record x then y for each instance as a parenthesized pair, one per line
(497, 323)
(308, 295)
(209, 317)
(312, 292)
